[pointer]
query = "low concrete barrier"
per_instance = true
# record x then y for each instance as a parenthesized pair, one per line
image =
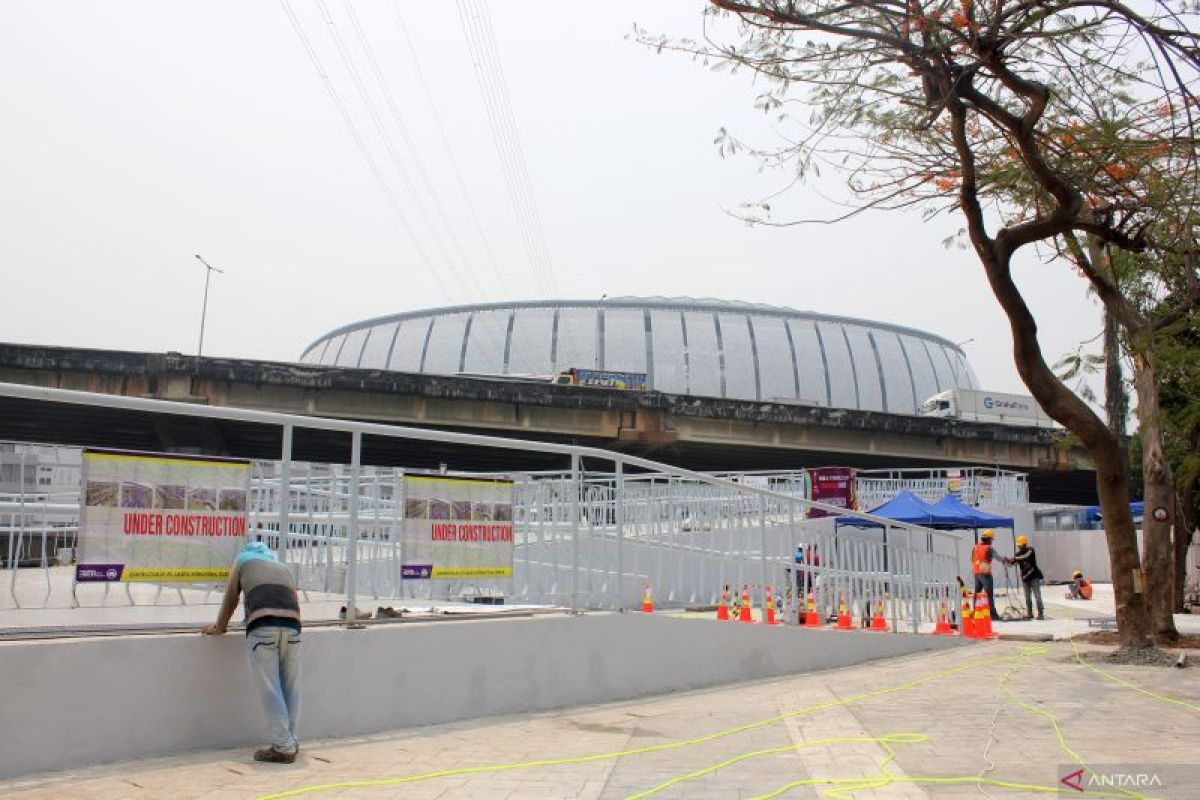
(70, 703)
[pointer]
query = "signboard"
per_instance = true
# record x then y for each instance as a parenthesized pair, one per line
(176, 519)
(834, 486)
(456, 528)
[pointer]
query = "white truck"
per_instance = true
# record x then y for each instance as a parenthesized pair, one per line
(980, 406)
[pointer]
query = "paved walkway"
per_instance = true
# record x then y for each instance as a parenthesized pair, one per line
(1019, 715)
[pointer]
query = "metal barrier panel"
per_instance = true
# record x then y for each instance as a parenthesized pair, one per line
(582, 538)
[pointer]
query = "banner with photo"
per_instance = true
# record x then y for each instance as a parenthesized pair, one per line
(151, 517)
(456, 528)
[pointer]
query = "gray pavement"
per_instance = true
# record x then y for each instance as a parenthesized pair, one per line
(999, 719)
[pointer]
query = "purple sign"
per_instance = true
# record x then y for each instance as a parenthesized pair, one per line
(419, 571)
(89, 573)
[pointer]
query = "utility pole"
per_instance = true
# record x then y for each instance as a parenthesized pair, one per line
(209, 270)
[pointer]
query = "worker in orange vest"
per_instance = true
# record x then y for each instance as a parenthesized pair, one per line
(982, 556)
(1081, 587)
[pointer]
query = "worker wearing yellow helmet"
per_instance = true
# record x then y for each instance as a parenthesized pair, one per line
(1081, 587)
(1031, 577)
(982, 556)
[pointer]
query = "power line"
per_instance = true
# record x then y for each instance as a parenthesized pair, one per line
(437, 118)
(389, 148)
(500, 119)
(519, 153)
(389, 98)
(348, 121)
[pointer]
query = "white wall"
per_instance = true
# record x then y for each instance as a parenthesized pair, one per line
(83, 701)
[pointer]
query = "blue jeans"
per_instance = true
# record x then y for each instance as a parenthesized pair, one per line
(1034, 587)
(274, 653)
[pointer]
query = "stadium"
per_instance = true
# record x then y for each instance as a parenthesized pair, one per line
(698, 347)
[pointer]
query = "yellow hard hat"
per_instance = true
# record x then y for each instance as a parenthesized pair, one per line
(1076, 574)
(1022, 541)
(988, 534)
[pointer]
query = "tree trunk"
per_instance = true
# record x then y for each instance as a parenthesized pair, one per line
(1159, 494)
(1185, 525)
(1112, 472)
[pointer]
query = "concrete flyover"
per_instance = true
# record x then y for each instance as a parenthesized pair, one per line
(694, 432)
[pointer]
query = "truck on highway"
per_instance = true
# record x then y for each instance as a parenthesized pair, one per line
(602, 378)
(976, 405)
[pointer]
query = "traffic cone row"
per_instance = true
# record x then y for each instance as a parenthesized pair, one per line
(723, 608)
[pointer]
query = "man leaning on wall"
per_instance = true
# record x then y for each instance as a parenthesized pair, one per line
(272, 641)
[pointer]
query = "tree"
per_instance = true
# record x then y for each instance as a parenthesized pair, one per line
(978, 107)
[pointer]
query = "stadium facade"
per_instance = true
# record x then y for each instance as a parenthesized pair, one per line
(710, 348)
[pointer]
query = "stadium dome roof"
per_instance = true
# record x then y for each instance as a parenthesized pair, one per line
(689, 346)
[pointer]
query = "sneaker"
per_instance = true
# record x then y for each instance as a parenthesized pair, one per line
(273, 756)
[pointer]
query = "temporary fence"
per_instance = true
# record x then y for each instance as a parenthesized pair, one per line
(975, 486)
(582, 538)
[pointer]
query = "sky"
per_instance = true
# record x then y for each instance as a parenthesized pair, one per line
(138, 134)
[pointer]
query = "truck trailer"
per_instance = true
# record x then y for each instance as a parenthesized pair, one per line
(980, 406)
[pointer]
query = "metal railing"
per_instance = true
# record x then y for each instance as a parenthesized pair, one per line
(582, 539)
(975, 486)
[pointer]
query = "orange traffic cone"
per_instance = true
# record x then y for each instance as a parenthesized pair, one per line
(745, 614)
(843, 620)
(983, 617)
(723, 608)
(647, 602)
(811, 620)
(769, 609)
(943, 625)
(968, 621)
(878, 623)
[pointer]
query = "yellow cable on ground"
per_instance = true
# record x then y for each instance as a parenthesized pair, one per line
(1131, 686)
(906, 738)
(842, 784)
(1024, 652)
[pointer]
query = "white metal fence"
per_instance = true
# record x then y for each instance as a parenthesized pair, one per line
(582, 539)
(975, 486)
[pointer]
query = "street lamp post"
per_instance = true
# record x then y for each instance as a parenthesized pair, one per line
(209, 270)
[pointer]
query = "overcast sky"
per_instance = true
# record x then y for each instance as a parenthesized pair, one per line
(136, 134)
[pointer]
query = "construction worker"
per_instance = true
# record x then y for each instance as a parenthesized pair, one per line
(1081, 587)
(1031, 577)
(982, 556)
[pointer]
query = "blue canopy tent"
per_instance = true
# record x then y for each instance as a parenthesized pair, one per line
(951, 506)
(906, 507)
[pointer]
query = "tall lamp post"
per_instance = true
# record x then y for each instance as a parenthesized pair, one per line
(209, 270)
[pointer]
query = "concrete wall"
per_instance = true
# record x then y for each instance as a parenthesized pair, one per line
(69, 703)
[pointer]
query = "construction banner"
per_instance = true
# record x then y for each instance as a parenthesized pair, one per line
(456, 528)
(175, 519)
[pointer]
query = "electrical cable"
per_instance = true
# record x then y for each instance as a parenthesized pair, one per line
(1024, 653)
(489, 74)
(437, 120)
(388, 146)
(363, 150)
(842, 785)
(389, 98)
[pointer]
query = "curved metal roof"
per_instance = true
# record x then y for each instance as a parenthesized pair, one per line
(691, 346)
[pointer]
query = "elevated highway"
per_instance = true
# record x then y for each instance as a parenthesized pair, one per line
(694, 432)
